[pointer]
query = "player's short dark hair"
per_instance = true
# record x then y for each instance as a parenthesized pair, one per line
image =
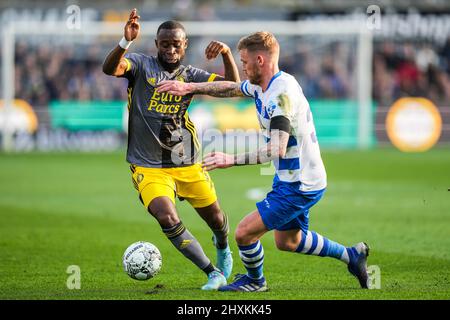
(170, 25)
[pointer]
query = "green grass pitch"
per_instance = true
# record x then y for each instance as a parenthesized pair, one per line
(64, 209)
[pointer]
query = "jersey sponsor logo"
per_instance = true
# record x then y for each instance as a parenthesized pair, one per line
(164, 103)
(285, 103)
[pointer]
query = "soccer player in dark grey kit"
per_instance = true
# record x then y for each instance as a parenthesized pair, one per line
(162, 141)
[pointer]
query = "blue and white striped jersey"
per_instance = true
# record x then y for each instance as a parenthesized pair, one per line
(302, 163)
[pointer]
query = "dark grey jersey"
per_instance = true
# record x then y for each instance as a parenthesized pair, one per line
(160, 133)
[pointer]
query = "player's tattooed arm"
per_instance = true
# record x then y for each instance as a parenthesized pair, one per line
(275, 149)
(221, 89)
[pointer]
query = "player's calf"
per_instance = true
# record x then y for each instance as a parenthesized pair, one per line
(286, 246)
(183, 240)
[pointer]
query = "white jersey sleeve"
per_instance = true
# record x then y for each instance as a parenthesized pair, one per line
(248, 89)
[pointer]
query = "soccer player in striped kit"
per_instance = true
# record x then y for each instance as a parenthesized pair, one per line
(300, 180)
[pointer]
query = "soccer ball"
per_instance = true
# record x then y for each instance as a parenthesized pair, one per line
(142, 260)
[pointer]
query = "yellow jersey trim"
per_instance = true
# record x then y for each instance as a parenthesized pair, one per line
(212, 77)
(128, 64)
(191, 128)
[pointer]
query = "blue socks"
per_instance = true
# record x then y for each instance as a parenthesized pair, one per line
(253, 258)
(313, 243)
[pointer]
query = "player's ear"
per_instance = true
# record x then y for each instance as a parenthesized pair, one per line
(186, 43)
(156, 43)
(260, 60)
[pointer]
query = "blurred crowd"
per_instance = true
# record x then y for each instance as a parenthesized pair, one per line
(44, 72)
(411, 70)
(325, 70)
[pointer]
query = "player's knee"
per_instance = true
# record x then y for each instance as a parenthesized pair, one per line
(212, 215)
(168, 221)
(215, 220)
(242, 236)
(166, 218)
(285, 246)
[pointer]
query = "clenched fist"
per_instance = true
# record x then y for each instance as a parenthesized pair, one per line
(215, 48)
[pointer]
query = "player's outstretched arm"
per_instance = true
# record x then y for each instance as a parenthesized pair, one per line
(231, 70)
(220, 89)
(275, 149)
(115, 64)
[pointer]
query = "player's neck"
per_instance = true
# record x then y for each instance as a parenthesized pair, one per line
(267, 77)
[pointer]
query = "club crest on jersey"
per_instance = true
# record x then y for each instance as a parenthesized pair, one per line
(271, 108)
(152, 81)
(180, 78)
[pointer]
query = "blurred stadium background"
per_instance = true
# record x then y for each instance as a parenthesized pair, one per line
(351, 72)
(375, 83)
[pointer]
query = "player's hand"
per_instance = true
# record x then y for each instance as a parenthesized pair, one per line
(215, 48)
(174, 87)
(131, 30)
(218, 160)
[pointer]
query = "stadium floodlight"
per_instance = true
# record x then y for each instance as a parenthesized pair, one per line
(317, 28)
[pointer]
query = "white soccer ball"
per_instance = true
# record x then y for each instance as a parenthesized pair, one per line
(142, 260)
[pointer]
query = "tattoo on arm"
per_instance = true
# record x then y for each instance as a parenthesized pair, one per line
(262, 155)
(274, 149)
(221, 89)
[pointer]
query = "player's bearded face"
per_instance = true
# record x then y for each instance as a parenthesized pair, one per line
(171, 46)
(250, 67)
(254, 74)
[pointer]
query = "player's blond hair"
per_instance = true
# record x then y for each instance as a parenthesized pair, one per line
(260, 41)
